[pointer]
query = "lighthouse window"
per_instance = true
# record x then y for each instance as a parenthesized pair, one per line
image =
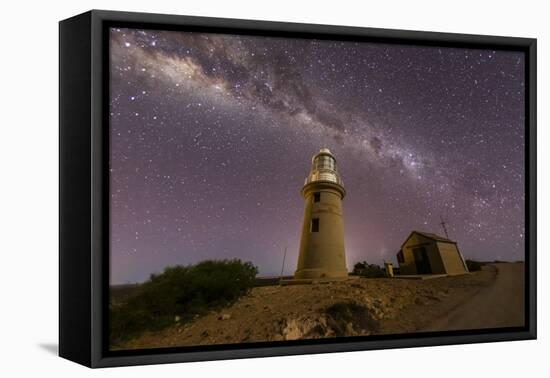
(316, 197)
(315, 225)
(325, 162)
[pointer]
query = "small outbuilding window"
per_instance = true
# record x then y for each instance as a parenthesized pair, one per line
(315, 225)
(317, 197)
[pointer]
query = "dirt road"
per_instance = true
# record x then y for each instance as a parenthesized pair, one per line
(498, 305)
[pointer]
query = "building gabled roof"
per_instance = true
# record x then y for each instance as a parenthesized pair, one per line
(435, 237)
(431, 236)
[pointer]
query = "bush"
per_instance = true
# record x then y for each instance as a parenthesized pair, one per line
(365, 269)
(183, 292)
(473, 266)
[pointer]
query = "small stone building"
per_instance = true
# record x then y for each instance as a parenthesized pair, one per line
(424, 253)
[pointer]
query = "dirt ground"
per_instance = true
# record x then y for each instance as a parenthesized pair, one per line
(355, 307)
(499, 305)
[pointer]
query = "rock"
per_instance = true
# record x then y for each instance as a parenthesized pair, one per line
(177, 319)
(368, 302)
(224, 317)
(304, 327)
(377, 313)
(294, 330)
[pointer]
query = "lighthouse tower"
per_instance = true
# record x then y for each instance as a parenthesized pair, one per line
(322, 252)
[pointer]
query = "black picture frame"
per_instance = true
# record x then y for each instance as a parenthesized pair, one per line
(84, 192)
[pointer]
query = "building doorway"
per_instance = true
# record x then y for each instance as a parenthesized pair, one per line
(421, 261)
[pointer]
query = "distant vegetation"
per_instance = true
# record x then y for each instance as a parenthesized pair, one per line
(365, 269)
(473, 266)
(179, 294)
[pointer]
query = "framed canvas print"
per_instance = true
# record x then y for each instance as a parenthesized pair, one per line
(234, 188)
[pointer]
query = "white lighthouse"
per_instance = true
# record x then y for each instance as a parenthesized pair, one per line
(322, 251)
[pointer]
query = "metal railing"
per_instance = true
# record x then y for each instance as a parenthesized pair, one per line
(322, 175)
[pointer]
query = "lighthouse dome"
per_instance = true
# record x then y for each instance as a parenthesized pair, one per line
(323, 168)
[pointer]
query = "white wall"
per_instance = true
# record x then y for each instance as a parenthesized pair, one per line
(28, 156)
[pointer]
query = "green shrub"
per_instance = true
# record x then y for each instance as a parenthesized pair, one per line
(365, 269)
(183, 292)
(473, 266)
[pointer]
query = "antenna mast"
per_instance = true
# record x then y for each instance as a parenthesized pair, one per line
(283, 266)
(444, 225)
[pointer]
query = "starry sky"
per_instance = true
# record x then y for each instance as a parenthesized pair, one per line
(211, 138)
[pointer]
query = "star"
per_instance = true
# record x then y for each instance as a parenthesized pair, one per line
(212, 136)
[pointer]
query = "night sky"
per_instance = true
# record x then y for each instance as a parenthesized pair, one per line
(212, 137)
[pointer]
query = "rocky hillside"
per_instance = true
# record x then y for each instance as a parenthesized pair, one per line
(350, 308)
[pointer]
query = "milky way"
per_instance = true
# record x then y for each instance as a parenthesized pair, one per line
(212, 136)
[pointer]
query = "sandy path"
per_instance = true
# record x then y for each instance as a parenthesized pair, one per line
(498, 305)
